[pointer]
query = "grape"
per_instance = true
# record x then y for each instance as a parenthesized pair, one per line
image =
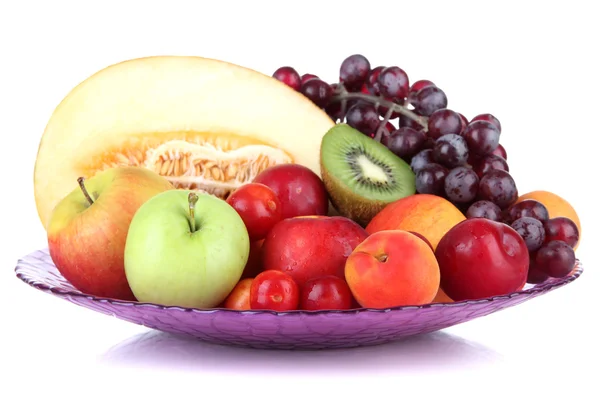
(489, 118)
(563, 229)
(317, 91)
(354, 71)
(527, 208)
(405, 142)
(451, 150)
(464, 121)
(482, 137)
(408, 122)
(430, 179)
(306, 77)
(443, 122)
(461, 185)
(498, 187)
(387, 131)
(393, 83)
(484, 209)
(364, 117)
(418, 85)
(421, 159)
(289, 76)
(428, 100)
(534, 275)
(531, 230)
(371, 83)
(500, 151)
(556, 259)
(486, 164)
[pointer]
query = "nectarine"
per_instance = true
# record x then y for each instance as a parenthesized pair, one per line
(392, 268)
(431, 216)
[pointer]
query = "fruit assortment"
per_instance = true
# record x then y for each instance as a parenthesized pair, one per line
(378, 196)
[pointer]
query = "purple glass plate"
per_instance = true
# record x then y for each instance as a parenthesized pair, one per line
(282, 330)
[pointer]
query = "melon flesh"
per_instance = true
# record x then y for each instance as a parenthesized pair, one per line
(196, 121)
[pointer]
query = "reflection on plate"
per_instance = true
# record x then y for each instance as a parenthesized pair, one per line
(282, 330)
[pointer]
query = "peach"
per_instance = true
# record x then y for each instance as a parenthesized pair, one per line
(392, 268)
(431, 216)
(311, 247)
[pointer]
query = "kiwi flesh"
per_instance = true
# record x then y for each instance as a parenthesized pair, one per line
(361, 175)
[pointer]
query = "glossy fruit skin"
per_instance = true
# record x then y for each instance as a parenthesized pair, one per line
(489, 118)
(310, 247)
(393, 82)
(306, 77)
(482, 137)
(405, 142)
(371, 83)
(299, 189)
(531, 230)
(486, 164)
(443, 122)
(461, 185)
(363, 117)
(430, 179)
(428, 100)
(259, 207)
(289, 76)
(527, 208)
(318, 91)
(325, 293)
(563, 229)
(274, 290)
(354, 71)
(484, 209)
(556, 259)
(421, 159)
(498, 187)
(451, 150)
(500, 151)
(480, 258)
(239, 298)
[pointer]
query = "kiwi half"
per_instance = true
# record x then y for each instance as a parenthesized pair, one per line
(361, 175)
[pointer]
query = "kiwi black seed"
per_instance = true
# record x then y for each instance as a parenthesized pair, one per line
(361, 175)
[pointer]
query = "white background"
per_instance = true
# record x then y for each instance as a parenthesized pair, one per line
(534, 66)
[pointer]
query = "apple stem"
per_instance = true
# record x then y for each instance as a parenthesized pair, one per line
(192, 199)
(80, 180)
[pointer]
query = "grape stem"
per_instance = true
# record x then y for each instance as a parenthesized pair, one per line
(382, 125)
(342, 95)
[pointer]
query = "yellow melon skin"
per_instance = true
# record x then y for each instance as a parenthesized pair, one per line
(135, 106)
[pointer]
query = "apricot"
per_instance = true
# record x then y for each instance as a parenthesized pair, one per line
(431, 216)
(239, 298)
(556, 205)
(392, 268)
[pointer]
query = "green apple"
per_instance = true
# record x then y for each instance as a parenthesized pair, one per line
(185, 249)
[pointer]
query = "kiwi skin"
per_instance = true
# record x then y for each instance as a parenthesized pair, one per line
(347, 202)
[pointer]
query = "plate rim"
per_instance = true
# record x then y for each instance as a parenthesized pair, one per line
(539, 288)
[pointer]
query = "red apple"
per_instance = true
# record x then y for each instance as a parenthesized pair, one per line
(481, 258)
(300, 191)
(311, 247)
(88, 228)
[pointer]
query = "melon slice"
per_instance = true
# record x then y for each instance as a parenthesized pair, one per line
(204, 124)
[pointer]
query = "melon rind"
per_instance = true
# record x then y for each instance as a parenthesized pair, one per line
(165, 94)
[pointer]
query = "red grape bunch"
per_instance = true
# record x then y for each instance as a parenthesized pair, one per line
(453, 157)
